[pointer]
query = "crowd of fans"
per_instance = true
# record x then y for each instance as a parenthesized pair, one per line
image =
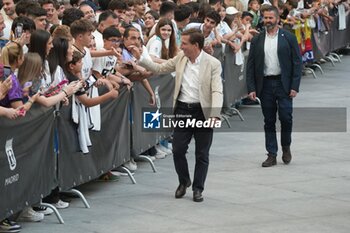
(52, 50)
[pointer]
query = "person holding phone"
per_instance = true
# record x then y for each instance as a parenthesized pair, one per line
(5, 86)
(73, 68)
(22, 28)
(12, 58)
(41, 44)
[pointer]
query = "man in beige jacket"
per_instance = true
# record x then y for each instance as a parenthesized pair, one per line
(198, 94)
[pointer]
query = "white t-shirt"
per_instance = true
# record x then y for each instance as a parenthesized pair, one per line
(98, 39)
(223, 28)
(87, 64)
(48, 80)
(104, 65)
(154, 46)
(7, 29)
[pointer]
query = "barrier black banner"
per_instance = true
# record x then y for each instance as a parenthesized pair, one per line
(110, 146)
(164, 86)
(27, 160)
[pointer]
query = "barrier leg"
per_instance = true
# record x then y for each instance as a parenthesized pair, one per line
(129, 174)
(80, 195)
(226, 120)
(318, 67)
(330, 58)
(145, 158)
(335, 56)
(238, 113)
(60, 219)
(311, 70)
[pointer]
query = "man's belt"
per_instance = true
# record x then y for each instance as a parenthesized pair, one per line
(273, 77)
(188, 105)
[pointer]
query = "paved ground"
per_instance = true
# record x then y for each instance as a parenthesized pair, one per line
(310, 195)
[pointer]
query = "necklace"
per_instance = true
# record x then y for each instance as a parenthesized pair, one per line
(82, 52)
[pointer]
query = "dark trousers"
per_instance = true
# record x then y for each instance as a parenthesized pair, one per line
(274, 99)
(182, 137)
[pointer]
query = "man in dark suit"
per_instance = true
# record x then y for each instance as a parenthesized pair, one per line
(273, 74)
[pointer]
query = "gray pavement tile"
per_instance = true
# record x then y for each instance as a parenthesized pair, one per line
(307, 207)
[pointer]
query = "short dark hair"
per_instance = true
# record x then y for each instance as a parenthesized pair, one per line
(139, 2)
(36, 11)
(70, 15)
(53, 2)
(250, 1)
(77, 56)
(111, 31)
(196, 36)
(270, 8)
(212, 14)
(105, 15)
(23, 6)
(81, 26)
(27, 23)
(73, 2)
(246, 13)
(194, 6)
(213, 2)
(127, 31)
(182, 12)
(117, 4)
(103, 4)
(153, 13)
(166, 7)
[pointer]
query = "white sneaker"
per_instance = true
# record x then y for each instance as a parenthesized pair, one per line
(160, 154)
(61, 204)
(29, 215)
(43, 209)
(131, 165)
(164, 149)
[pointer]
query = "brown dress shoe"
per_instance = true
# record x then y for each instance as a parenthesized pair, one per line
(197, 196)
(287, 155)
(181, 190)
(270, 161)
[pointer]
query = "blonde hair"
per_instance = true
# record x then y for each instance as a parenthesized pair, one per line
(11, 53)
(62, 31)
(235, 3)
(30, 69)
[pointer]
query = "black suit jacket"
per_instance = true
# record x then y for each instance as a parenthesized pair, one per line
(289, 58)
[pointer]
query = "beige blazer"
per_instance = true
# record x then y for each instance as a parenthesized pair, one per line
(210, 91)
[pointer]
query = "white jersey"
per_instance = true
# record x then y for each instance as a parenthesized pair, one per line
(154, 46)
(104, 65)
(87, 64)
(98, 39)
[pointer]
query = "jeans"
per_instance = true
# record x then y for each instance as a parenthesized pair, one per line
(273, 99)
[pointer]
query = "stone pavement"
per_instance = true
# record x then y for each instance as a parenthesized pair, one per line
(311, 195)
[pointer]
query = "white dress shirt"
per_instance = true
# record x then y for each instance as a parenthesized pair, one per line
(189, 92)
(271, 62)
